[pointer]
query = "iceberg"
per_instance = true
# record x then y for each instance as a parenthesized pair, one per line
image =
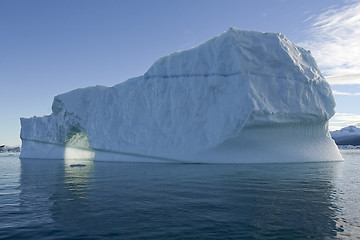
(349, 135)
(7, 149)
(240, 97)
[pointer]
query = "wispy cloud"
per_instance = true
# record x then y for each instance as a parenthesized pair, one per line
(334, 40)
(341, 120)
(345, 79)
(308, 18)
(345, 93)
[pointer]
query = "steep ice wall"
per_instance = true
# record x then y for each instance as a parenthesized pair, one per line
(243, 96)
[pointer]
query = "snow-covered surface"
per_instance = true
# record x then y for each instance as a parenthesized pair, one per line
(243, 96)
(349, 135)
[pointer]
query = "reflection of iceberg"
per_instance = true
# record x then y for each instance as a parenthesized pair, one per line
(52, 195)
(76, 178)
(38, 181)
(240, 97)
(163, 201)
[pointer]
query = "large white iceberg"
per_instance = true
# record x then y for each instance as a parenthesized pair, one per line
(243, 96)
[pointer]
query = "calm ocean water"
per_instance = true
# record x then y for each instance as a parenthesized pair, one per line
(42, 199)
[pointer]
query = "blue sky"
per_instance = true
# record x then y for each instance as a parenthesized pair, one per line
(50, 47)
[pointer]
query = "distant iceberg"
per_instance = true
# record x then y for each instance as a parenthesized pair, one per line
(349, 135)
(7, 149)
(243, 96)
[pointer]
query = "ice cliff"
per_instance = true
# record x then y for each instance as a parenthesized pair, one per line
(243, 96)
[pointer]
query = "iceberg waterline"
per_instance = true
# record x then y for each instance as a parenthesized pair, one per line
(243, 96)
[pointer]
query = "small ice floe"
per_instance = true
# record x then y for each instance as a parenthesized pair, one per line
(77, 165)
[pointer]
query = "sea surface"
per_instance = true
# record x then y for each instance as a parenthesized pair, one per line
(54, 199)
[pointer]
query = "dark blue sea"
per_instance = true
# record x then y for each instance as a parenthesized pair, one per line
(52, 199)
